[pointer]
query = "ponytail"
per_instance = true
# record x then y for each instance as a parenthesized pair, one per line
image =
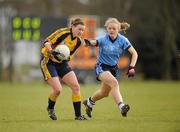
(124, 26)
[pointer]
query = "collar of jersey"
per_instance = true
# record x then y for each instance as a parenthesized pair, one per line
(112, 40)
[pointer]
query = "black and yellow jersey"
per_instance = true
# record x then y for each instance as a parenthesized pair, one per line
(62, 36)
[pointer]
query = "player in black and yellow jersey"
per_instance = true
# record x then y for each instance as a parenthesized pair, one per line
(55, 70)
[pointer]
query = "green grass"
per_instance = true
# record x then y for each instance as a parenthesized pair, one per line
(155, 107)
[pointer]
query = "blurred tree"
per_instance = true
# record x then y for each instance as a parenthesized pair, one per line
(156, 38)
(170, 47)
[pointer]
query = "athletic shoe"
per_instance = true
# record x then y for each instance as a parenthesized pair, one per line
(51, 114)
(82, 117)
(88, 109)
(124, 110)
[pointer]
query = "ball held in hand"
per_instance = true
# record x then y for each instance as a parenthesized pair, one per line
(131, 72)
(63, 52)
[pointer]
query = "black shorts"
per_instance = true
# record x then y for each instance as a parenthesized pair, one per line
(103, 67)
(52, 69)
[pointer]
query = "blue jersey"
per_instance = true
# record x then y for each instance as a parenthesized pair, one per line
(110, 51)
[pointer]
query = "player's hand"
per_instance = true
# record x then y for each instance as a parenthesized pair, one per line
(131, 71)
(68, 59)
(87, 42)
(54, 53)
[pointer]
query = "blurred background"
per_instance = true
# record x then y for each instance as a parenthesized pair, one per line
(154, 32)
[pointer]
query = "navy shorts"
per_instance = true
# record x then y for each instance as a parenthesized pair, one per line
(52, 69)
(99, 68)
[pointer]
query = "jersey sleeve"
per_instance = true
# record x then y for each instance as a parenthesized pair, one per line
(57, 37)
(126, 44)
(99, 40)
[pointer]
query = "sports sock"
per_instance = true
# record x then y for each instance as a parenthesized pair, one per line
(120, 105)
(51, 101)
(90, 103)
(51, 104)
(77, 108)
(76, 99)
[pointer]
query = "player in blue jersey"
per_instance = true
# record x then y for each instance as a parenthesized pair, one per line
(111, 46)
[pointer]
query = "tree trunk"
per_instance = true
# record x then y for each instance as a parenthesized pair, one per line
(169, 47)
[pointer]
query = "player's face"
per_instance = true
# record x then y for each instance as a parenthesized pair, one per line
(113, 30)
(78, 30)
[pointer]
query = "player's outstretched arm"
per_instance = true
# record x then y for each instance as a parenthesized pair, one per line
(88, 42)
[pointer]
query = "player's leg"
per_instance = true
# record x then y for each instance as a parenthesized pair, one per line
(99, 94)
(56, 89)
(50, 75)
(70, 80)
(107, 78)
(110, 80)
(109, 83)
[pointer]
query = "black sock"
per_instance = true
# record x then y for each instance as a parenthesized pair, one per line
(51, 104)
(77, 108)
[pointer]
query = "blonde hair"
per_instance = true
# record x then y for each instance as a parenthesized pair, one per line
(76, 21)
(123, 26)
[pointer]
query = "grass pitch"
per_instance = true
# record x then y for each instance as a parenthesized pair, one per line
(155, 107)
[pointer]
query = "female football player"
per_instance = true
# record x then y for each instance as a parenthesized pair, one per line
(111, 46)
(54, 69)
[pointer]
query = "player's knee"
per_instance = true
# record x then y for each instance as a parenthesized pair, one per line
(114, 83)
(76, 89)
(57, 91)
